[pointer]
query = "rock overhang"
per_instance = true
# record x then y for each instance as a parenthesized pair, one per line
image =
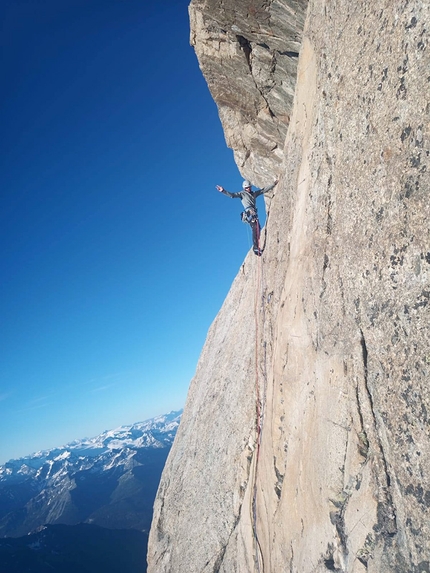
(248, 55)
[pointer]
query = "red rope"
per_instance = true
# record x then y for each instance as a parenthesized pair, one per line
(259, 411)
(258, 414)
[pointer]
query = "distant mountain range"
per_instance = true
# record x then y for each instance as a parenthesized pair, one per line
(108, 481)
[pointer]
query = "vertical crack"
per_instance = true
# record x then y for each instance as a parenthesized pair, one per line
(386, 514)
(247, 49)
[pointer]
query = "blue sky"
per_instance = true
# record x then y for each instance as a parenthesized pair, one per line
(116, 250)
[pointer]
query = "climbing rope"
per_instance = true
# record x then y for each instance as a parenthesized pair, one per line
(260, 395)
(259, 409)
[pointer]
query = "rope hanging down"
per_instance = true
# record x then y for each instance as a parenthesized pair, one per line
(259, 411)
(260, 400)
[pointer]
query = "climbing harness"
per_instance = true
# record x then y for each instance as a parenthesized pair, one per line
(249, 216)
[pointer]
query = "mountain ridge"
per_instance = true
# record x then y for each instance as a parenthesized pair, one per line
(117, 469)
(123, 433)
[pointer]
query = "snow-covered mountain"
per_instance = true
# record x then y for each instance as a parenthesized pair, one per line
(109, 480)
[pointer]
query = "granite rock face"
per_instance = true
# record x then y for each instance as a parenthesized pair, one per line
(248, 52)
(305, 441)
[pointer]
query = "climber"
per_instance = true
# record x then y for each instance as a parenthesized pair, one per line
(250, 214)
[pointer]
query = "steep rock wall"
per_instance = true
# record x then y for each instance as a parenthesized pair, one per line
(248, 51)
(324, 340)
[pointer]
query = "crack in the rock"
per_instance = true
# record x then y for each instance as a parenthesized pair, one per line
(289, 54)
(279, 479)
(246, 47)
(386, 513)
(323, 281)
(363, 447)
(328, 559)
(218, 562)
(337, 518)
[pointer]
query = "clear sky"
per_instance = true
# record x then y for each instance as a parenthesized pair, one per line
(116, 249)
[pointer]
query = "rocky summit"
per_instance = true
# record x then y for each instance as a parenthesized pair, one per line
(304, 445)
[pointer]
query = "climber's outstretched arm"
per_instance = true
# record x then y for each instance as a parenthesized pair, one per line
(225, 192)
(265, 189)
